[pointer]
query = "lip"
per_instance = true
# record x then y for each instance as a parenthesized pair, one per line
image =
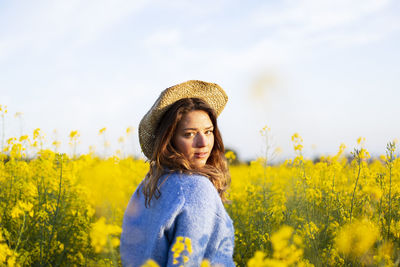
(201, 155)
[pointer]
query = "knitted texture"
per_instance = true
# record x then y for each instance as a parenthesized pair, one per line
(189, 207)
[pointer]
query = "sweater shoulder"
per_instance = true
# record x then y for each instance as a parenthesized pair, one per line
(198, 192)
(192, 185)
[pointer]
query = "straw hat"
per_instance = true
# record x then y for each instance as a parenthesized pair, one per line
(211, 93)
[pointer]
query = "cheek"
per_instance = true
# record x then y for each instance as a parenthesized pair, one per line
(182, 145)
(211, 141)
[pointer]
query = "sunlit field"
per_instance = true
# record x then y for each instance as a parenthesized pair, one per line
(66, 209)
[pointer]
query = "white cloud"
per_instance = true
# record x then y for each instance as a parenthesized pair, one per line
(61, 24)
(317, 15)
(168, 37)
(311, 22)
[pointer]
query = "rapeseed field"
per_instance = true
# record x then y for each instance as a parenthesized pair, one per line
(66, 210)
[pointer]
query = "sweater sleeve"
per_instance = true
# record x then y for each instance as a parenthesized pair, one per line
(202, 230)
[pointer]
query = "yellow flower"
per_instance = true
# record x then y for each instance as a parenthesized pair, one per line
(102, 130)
(384, 255)
(56, 144)
(36, 133)
(280, 239)
(21, 208)
(11, 140)
(73, 134)
(298, 147)
(3, 109)
(100, 234)
(373, 191)
(23, 138)
(265, 130)
(16, 212)
(230, 155)
(356, 238)
(129, 130)
(360, 140)
(188, 244)
(205, 263)
(364, 154)
(297, 138)
(182, 245)
(150, 263)
(257, 260)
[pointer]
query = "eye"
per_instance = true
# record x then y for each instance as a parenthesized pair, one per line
(209, 131)
(189, 134)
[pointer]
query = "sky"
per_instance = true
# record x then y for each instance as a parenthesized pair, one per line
(328, 70)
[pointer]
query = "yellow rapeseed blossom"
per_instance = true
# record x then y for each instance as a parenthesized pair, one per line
(384, 255)
(395, 228)
(21, 208)
(73, 134)
(257, 260)
(287, 251)
(7, 255)
(297, 138)
(360, 140)
(150, 263)
(309, 230)
(181, 247)
(283, 250)
(46, 191)
(102, 130)
(356, 238)
(230, 156)
(264, 131)
(373, 191)
(3, 109)
(36, 133)
(129, 130)
(101, 233)
(23, 138)
(364, 154)
(205, 263)
(11, 140)
(297, 142)
(56, 144)
(16, 212)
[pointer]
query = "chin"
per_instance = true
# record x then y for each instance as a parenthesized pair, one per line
(199, 164)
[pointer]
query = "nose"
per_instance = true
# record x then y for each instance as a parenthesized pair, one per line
(201, 140)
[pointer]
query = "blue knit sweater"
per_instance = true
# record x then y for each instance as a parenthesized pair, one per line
(189, 208)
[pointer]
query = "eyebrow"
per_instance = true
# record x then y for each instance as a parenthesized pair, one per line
(194, 129)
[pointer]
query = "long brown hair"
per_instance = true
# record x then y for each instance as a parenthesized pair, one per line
(166, 157)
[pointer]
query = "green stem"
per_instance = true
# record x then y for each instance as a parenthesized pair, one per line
(390, 198)
(20, 234)
(57, 208)
(2, 133)
(355, 187)
(312, 240)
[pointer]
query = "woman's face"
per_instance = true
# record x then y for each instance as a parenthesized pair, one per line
(194, 137)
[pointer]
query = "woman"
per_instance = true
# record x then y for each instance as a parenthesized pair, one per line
(176, 216)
